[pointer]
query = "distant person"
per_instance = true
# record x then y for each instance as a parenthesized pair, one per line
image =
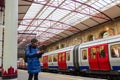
(33, 54)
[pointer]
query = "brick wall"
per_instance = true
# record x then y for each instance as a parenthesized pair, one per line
(112, 27)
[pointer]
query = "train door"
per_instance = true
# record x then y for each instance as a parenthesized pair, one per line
(55, 61)
(62, 60)
(103, 57)
(93, 60)
(45, 62)
(84, 59)
(50, 61)
(98, 57)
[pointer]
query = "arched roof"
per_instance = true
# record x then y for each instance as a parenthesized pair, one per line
(52, 20)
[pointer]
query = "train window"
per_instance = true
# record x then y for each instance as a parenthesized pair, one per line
(84, 54)
(68, 55)
(45, 59)
(59, 57)
(91, 38)
(62, 45)
(93, 53)
(41, 60)
(115, 50)
(102, 52)
(50, 58)
(63, 56)
(104, 34)
(55, 58)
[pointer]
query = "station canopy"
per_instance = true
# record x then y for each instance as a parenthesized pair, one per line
(53, 20)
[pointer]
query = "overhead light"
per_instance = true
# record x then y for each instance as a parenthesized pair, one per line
(107, 28)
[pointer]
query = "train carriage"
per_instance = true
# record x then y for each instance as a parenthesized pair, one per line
(114, 57)
(103, 55)
(96, 57)
(58, 60)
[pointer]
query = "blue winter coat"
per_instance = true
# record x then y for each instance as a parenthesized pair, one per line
(33, 59)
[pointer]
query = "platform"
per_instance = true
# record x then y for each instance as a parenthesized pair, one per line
(22, 75)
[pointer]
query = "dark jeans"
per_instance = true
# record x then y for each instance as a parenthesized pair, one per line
(35, 76)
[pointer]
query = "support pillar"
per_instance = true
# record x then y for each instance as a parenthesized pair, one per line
(1, 46)
(9, 71)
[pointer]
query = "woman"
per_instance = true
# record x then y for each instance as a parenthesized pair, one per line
(33, 55)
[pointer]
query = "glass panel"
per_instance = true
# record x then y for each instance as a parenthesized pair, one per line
(93, 53)
(91, 38)
(45, 59)
(102, 51)
(105, 34)
(22, 28)
(63, 56)
(55, 58)
(115, 51)
(50, 58)
(84, 54)
(41, 60)
(68, 55)
(58, 14)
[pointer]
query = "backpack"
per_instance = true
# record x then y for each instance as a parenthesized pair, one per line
(25, 58)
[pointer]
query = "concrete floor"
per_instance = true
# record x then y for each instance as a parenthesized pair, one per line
(23, 75)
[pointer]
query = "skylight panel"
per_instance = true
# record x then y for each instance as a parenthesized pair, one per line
(21, 27)
(70, 5)
(41, 1)
(25, 22)
(33, 10)
(54, 31)
(102, 2)
(54, 19)
(95, 6)
(47, 24)
(31, 28)
(108, 1)
(46, 36)
(46, 12)
(72, 18)
(36, 22)
(84, 0)
(56, 2)
(58, 14)
(38, 32)
(42, 29)
(99, 5)
(27, 31)
(42, 40)
(30, 15)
